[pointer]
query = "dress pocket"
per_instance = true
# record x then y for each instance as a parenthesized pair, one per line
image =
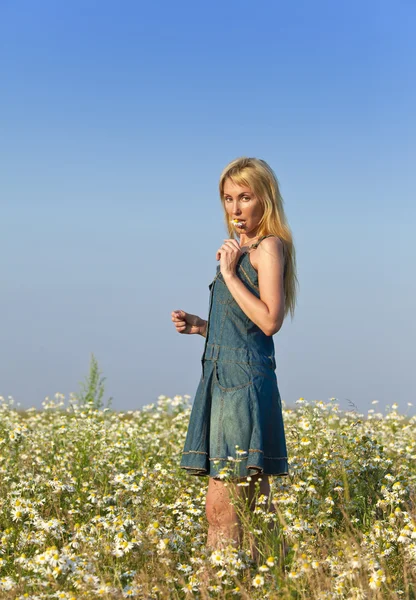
(230, 376)
(262, 370)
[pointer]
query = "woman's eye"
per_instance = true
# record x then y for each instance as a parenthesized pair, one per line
(244, 198)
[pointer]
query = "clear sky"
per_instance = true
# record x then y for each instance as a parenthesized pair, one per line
(117, 119)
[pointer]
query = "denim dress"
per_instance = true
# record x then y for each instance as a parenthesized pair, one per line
(236, 419)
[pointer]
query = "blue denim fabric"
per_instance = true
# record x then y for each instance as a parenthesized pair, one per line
(237, 402)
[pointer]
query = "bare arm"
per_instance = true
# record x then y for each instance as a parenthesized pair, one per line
(267, 312)
(203, 330)
(188, 323)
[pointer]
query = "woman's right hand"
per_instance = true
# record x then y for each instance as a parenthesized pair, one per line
(187, 323)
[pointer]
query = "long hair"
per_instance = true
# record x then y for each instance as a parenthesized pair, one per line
(261, 179)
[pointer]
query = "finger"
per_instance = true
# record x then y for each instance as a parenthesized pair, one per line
(232, 251)
(232, 243)
(178, 322)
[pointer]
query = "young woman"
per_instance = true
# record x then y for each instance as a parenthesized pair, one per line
(237, 410)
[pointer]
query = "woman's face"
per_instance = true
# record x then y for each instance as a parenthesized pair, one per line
(241, 203)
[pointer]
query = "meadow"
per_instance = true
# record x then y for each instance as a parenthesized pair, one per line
(93, 505)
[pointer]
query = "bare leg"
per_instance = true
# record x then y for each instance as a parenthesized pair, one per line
(224, 524)
(273, 526)
(264, 489)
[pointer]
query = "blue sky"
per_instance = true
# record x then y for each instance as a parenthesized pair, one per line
(117, 119)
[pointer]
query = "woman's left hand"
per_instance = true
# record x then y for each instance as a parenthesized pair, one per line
(228, 254)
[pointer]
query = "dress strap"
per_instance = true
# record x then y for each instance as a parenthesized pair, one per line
(270, 235)
(260, 239)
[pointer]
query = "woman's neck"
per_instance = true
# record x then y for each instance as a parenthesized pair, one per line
(246, 243)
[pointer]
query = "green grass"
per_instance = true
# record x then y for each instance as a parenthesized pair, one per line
(93, 504)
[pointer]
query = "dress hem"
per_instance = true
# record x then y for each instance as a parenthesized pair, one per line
(198, 463)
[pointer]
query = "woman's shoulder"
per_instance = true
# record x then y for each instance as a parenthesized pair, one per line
(271, 241)
(272, 245)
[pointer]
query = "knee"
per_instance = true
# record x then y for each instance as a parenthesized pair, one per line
(219, 511)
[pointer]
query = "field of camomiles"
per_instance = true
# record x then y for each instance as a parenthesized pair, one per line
(93, 505)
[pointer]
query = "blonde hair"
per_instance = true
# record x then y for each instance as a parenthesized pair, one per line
(261, 179)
